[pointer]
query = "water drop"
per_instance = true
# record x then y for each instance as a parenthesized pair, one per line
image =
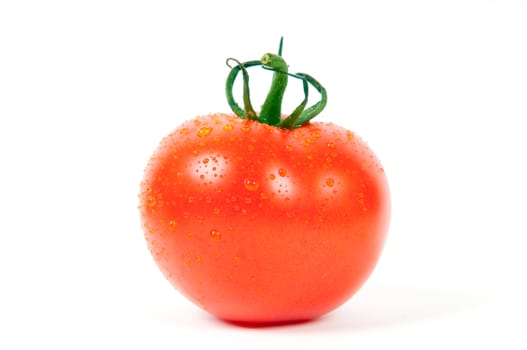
(331, 145)
(282, 172)
(204, 131)
(251, 184)
(272, 176)
(246, 128)
(215, 234)
(289, 148)
(205, 160)
(330, 182)
(250, 148)
(172, 224)
(199, 218)
(228, 127)
(151, 201)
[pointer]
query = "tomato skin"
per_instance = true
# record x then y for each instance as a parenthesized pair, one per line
(258, 224)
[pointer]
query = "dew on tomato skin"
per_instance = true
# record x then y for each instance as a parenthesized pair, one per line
(330, 182)
(215, 234)
(172, 224)
(316, 134)
(289, 148)
(282, 172)
(204, 131)
(151, 201)
(199, 218)
(251, 184)
(250, 148)
(272, 176)
(228, 127)
(183, 131)
(246, 128)
(186, 214)
(331, 145)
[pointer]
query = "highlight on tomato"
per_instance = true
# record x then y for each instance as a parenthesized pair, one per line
(263, 217)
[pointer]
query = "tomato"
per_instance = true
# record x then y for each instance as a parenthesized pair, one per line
(257, 223)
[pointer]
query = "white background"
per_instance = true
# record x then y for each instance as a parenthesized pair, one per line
(89, 88)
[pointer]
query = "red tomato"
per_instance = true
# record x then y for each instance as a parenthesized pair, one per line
(255, 223)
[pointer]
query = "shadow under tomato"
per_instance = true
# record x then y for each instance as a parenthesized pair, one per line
(268, 325)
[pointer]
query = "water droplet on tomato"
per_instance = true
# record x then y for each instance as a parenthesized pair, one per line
(183, 131)
(282, 172)
(330, 182)
(289, 148)
(251, 184)
(246, 128)
(250, 148)
(272, 176)
(228, 127)
(172, 224)
(205, 160)
(331, 145)
(215, 234)
(204, 131)
(151, 201)
(199, 218)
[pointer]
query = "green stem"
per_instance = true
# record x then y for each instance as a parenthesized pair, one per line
(271, 112)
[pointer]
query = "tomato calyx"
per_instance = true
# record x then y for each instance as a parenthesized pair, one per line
(271, 112)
